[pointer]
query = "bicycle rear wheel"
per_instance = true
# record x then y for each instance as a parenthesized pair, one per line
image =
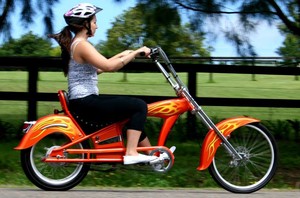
(258, 148)
(56, 176)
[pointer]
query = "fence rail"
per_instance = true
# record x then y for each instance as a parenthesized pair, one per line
(272, 66)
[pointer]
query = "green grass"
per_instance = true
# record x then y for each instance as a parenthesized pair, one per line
(224, 85)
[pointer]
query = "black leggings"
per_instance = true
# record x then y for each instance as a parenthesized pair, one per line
(109, 109)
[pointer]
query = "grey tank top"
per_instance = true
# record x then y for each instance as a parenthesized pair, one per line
(82, 78)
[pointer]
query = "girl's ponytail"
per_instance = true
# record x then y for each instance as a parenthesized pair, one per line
(64, 39)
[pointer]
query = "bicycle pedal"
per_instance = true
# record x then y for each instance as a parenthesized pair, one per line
(156, 161)
(165, 155)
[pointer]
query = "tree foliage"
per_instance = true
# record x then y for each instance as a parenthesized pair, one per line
(137, 27)
(291, 45)
(209, 15)
(28, 45)
(29, 9)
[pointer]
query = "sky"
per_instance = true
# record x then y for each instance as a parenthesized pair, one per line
(266, 39)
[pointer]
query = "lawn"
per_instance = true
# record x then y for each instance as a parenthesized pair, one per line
(223, 85)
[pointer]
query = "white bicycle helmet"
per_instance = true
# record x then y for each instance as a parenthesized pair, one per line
(80, 13)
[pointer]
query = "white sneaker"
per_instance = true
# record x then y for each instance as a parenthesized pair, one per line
(128, 159)
(165, 155)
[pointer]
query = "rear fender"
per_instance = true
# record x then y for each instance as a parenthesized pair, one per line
(47, 125)
(212, 140)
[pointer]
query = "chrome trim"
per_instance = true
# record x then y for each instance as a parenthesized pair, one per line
(54, 125)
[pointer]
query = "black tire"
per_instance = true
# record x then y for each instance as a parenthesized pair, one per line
(53, 176)
(258, 147)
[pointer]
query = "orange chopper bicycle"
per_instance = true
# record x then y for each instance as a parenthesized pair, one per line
(56, 154)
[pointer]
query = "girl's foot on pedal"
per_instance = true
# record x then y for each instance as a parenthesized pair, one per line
(165, 155)
(134, 159)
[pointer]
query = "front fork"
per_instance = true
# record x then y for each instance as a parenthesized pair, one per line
(196, 109)
(208, 122)
(218, 135)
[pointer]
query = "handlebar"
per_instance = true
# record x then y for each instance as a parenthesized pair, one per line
(153, 52)
(142, 53)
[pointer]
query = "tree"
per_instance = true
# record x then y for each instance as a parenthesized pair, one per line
(248, 14)
(56, 51)
(125, 33)
(290, 49)
(291, 44)
(135, 28)
(29, 9)
(28, 45)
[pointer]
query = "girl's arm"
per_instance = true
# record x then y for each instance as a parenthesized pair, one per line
(86, 53)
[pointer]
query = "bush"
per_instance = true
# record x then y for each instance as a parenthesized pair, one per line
(281, 129)
(296, 129)
(8, 131)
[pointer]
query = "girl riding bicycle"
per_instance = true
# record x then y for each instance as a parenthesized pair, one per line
(82, 63)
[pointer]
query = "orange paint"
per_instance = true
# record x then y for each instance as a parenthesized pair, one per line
(47, 125)
(167, 108)
(212, 140)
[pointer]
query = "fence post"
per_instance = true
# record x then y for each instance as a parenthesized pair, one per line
(32, 91)
(191, 124)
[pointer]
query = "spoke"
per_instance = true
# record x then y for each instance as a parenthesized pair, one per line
(253, 144)
(50, 172)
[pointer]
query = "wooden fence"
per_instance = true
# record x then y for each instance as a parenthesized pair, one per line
(191, 66)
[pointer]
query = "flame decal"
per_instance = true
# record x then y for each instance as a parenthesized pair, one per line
(227, 127)
(47, 125)
(212, 141)
(40, 127)
(167, 108)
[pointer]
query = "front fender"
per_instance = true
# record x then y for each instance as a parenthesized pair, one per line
(47, 125)
(212, 141)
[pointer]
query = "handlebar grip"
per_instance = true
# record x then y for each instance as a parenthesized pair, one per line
(154, 51)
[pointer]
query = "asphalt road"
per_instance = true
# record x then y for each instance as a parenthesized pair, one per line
(141, 193)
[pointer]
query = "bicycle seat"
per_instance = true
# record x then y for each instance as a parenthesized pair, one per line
(87, 125)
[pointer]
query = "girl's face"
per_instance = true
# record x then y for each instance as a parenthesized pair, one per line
(93, 25)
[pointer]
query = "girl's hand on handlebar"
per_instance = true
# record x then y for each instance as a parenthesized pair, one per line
(143, 52)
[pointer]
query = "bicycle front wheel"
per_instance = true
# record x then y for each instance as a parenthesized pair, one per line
(258, 149)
